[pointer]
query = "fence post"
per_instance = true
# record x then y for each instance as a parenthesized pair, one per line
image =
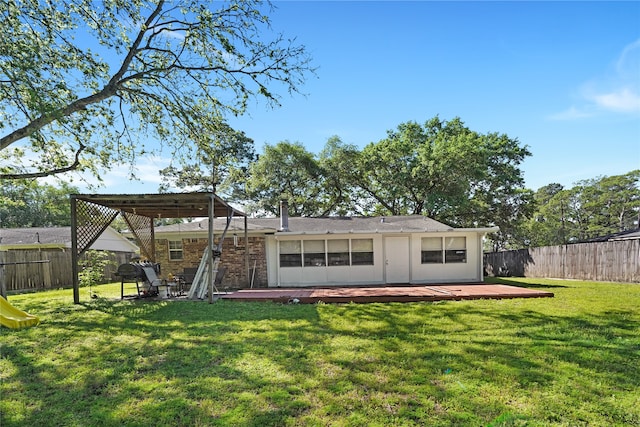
(3, 285)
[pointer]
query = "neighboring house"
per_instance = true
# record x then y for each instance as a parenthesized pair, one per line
(60, 238)
(41, 258)
(330, 251)
(621, 235)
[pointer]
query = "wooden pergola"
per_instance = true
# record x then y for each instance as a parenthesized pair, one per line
(91, 214)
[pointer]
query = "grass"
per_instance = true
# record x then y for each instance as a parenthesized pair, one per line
(571, 360)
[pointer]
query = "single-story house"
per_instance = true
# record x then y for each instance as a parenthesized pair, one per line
(330, 251)
(41, 257)
(38, 238)
(633, 234)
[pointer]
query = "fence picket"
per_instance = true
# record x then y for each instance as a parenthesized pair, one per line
(33, 275)
(616, 261)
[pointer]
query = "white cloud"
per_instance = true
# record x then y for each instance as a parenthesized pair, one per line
(118, 180)
(624, 100)
(629, 60)
(615, 94)
(572, 113)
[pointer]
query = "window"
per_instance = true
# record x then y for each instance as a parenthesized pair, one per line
(314, 253)
(338, 252)
(455, 249)
(290, 253)
(362, 252)
(320, 253)
(175, 250)
(432, 250)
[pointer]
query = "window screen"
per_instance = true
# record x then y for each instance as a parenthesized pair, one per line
(338, 252)
(362, 252)
(455, 249)
(290, 253)
(432, 250)
(314, 253)
(175, 250)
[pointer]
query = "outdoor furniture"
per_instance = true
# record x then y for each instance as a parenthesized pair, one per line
(185, 279)
(155, 283)
(172, 288)
(140, 273)
(128, 274)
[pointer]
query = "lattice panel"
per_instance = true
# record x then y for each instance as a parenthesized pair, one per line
(142, 228)
(91, 220)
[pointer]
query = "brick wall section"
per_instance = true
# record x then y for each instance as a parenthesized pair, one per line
(232, 259)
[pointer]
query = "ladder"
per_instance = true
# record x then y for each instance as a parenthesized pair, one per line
(202, 279)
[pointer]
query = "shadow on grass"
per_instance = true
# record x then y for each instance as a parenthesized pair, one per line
(109, 362)
(521, 284)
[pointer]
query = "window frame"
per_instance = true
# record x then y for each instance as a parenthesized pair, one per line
(365, 257)
(450, 252)
(314, 258)
(338, 258)
(453, 254)
(290, 258)
(173, 250)
(355, 254)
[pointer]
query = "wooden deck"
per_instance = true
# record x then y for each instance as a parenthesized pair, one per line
(436, 292)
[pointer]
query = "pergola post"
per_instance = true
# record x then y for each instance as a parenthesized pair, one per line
(246, 251)
(212, 273)
(91, 214)
(74, 250)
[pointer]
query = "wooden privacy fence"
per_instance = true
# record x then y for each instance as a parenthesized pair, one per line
(46, 269)
(617, 261)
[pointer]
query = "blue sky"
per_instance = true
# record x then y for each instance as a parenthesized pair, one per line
(561, 77)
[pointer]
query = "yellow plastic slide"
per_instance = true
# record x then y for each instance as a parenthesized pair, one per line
(14, 318)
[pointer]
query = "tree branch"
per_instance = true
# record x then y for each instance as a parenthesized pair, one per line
(43, 174)
(80, 104)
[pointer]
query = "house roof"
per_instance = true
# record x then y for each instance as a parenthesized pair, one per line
(628, 235)
(324, 225)
(621, 235)
(60, 237)
(166, 205)
(44, 235)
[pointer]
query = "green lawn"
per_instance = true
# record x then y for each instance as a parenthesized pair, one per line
(572, 360)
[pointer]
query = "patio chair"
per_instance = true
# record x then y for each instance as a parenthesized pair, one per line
(153, 281)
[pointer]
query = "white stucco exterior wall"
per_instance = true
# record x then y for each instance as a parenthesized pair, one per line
(379, 272)
(442, 273)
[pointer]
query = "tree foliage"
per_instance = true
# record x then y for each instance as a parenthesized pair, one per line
(592, 208)
(446, 171)
(25, 203)
(216, 166)
(611, 203)
(285, 171)
(85, 85)
(313, 184)
(93, 265)
(441, 169)
(340, 194)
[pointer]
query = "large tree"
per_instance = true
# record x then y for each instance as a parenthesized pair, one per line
(85, 85)
(591, 208)
(25, 203)
(314, 184)
(218, 165)
(285, 171)
(340, 195)
(611, 203)
(446, 171)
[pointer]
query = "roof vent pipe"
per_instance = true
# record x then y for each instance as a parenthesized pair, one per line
(284, 215)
